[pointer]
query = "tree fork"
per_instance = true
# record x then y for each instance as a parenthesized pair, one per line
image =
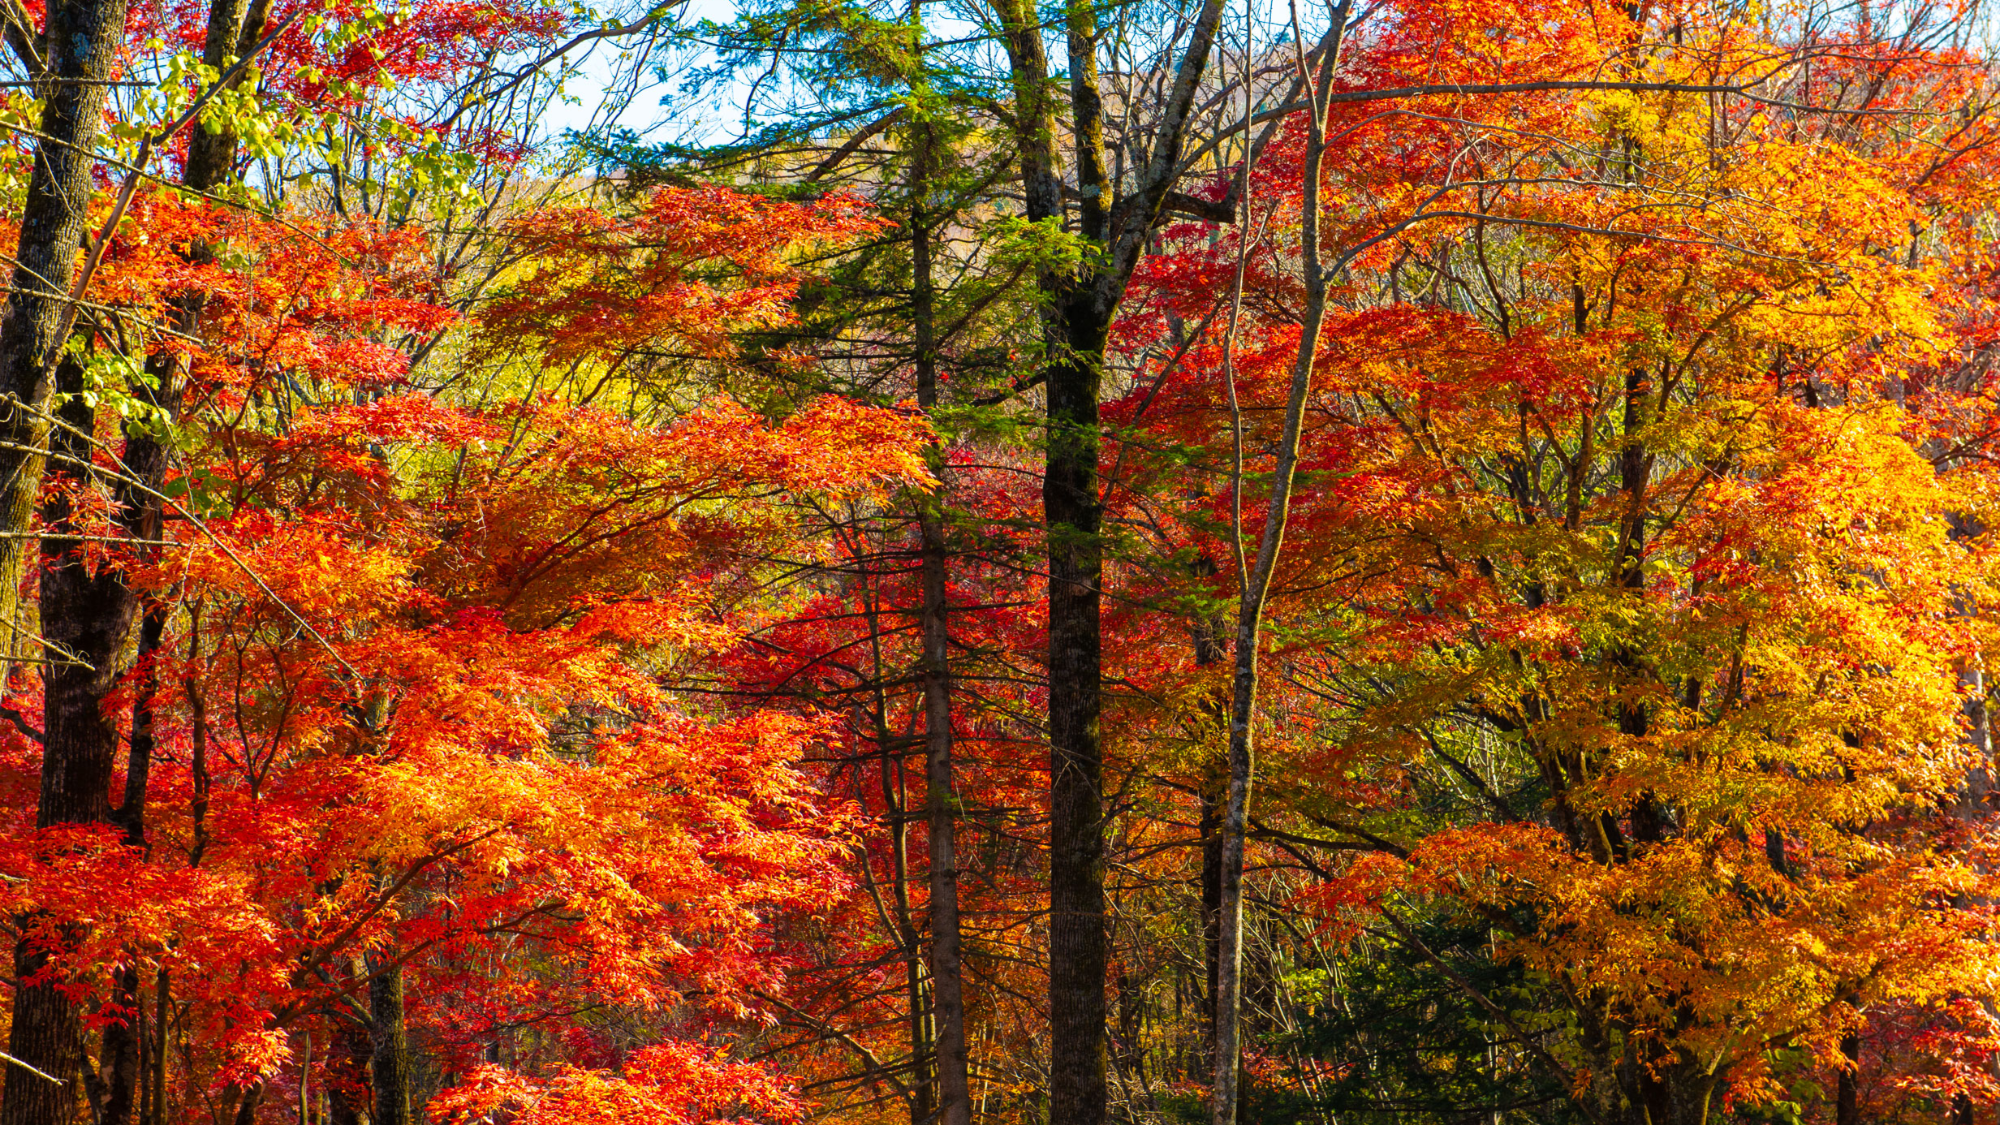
(1078, 313)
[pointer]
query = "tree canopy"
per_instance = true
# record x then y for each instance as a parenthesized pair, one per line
(1413, 563)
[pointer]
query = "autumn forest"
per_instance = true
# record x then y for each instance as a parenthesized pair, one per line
(995, 562)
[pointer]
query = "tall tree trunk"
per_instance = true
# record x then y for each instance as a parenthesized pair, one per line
(79, 751)
(1256, 573)
(105, 612)
(45, 1036)
(940, 804)
(1078, 312)
(1077, 1091)
(123, 1057)
(1209, 651)
(83, 40)
(923, 1042)
(1073, 513)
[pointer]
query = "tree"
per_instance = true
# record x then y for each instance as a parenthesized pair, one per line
(573, 647)
(1600, 450)
(294, 525)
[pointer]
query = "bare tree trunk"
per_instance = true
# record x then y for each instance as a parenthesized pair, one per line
(124, 1053)
(82, 44)
(110, 604)
(79, 750)
(1255, 584)
(1847, 1097)
(44, 1037)
(1077, 1089)
(1077, 1092)
(389, 1068)
(940, 803)
(83, 40)
(1078, 313)
(1214, 784)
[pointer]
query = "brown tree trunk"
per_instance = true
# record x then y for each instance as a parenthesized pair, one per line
(246, 1109)
(83, 40)
(44, 1036)
(389, 1068)
(121, 1064)
(1078, 322)
(1847, 1097)
(940, 803)
(1255, 573)
(1208, 652)
(79, 750)
(123, 1058)
(95, 611)
(1077, 1090)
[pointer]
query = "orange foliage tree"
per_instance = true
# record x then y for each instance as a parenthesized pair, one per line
(1623, 516)
(406, 760)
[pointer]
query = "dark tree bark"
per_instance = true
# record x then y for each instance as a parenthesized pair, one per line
(44, 1037)
(79, 752)
(86, 615)
(1076, 766)
(389, 1068)
(234, 27)
(940, 804)
(1118, 220)
(81, 46)
(1847, 1097)
(123, 1060)
(1073, 513)
(246, 1109)
(122, 1065)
